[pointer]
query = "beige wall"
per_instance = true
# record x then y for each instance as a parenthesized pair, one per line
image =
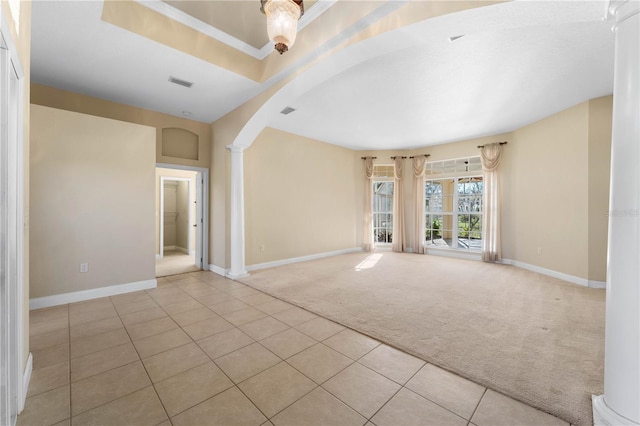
(299, 197)
(219, 193)
(92, 192)
(600, 114)
(545, 193)
(61, 99)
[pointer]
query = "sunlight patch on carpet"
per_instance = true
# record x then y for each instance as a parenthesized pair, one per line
(369, 262)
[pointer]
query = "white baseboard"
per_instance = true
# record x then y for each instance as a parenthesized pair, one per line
(234, 277)
(225, 272)
(26, 379)
(158, 256)
(218, 270)
(555, 274)
(181, 250)
(168, 248)
(94, 293)
(301, 259)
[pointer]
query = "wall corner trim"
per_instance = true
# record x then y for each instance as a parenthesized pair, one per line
(555, 274)
(94, 293)
(26, 379)
(301, 259)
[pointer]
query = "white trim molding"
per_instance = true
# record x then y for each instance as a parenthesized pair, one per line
(597, 284)
(301, 259)
(555, 274)
(234, 277)
(218, 270)
(94, 293)
(603, 415)
(26, 379)
(225, 272)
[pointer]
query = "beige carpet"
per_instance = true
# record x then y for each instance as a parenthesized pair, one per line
(537, 339)
(175, 262)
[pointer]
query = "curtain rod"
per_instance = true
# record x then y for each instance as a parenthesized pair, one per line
(393, 158)
(426, 155)
(364, 158)
(501, 143)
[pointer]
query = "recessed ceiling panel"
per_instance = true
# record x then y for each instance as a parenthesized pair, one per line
(238, 18)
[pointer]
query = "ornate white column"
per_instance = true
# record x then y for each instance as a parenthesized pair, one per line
(620, 404)
(237, 213)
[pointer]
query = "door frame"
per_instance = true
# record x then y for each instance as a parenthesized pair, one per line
(202, 211)
(13, 222)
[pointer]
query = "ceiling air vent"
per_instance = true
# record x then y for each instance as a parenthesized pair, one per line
(180, 82)
(287, 110)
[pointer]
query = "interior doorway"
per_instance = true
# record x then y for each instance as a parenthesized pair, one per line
(180, 220)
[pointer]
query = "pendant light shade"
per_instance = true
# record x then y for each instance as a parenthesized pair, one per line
(282, 21)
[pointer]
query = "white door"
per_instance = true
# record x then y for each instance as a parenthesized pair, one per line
(11, 231)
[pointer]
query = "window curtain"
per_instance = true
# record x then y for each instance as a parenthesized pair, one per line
(491, 250)
(418, 179)
(367, 229)
(398, 209)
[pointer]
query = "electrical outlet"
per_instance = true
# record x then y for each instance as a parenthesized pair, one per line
(261, 247)
(84, 267)
(539, 250)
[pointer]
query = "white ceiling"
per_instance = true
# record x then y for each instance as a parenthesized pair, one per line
(517, 62)
(74, 50)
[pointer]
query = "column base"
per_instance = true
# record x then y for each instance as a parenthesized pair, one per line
(234, 275)
(603, 415)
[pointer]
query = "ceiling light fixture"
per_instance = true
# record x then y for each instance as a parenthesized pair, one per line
(282, 21)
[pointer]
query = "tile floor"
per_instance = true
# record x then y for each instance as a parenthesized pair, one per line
(204, 350)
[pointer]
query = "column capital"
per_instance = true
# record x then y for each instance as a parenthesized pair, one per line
(621, 10)
(236, 148)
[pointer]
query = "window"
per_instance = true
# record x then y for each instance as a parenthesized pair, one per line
(453, 204)
(383, 204)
